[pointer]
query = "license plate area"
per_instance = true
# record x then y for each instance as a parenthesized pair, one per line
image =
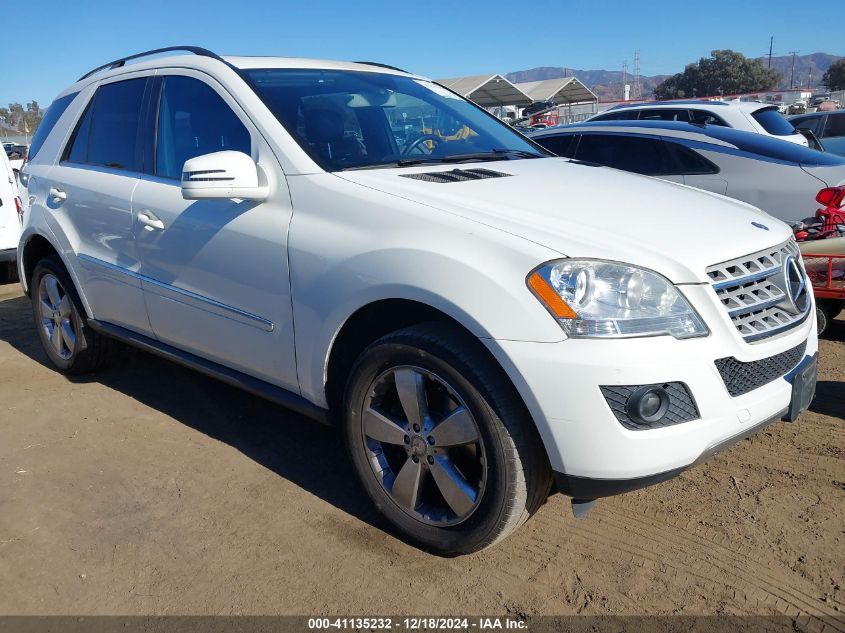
(803, 387)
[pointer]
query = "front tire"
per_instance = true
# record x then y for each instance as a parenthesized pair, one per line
(823, 316)
(71, 345)
(441, 441)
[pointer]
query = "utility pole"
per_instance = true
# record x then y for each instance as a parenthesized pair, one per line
(624, 79)
(792, 74)
(771, 41)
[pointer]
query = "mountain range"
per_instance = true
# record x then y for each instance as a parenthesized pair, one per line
(607, 84)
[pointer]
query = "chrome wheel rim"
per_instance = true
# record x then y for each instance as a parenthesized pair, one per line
(56, 313)
(424, 446)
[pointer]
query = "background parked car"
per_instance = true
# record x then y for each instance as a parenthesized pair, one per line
(828, 126)
(781, 178)
(14, 150)
(751, 116)
(10, 220)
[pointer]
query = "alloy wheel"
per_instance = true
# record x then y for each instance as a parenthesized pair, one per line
(56, 311)
(424, 445)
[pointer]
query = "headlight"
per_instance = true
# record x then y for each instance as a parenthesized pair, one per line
(593, 298)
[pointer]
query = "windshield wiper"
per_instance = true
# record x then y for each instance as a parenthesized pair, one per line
(494, 154)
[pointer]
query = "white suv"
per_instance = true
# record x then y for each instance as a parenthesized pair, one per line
(362, 245)
(751, 116)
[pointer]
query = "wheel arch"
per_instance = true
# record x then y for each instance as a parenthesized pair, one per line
(34, 247)
(367, 324)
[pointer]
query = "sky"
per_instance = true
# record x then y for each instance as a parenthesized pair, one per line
(430, 37)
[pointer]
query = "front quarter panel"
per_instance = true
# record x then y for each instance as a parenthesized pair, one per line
(351, 246)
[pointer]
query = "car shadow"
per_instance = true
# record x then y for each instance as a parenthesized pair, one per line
(294, 447)
(830, 399)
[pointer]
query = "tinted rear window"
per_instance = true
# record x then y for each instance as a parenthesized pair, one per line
(622, 115)
(640, 155)
(51, 117)
(664, 114)
(688, 161)
(108, 134)
(773, 122)
(562, 145)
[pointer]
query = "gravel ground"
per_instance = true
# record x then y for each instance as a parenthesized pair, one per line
(149, 489)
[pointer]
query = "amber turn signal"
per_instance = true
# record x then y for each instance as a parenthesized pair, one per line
(548, 296)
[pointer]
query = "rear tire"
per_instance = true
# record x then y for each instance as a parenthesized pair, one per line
(8, 272)
(71, 345)
(452, 491)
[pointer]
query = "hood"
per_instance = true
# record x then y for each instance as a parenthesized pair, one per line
(581, 210)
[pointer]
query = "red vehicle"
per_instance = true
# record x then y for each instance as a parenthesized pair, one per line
(823, 252)
(827, 274)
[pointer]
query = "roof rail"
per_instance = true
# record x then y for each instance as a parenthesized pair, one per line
(196, 50)
(382, 66)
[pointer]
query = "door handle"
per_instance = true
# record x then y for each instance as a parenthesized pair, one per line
(149, 220)
(57, 195)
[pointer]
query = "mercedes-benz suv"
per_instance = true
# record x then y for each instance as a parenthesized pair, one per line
(482, 321)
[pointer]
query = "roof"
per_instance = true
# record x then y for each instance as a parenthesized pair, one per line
(248, 62)
(487, 90)
(695, 104)
(712, 134)
(563, 90)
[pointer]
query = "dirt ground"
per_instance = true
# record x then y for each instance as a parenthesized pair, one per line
(150, 489)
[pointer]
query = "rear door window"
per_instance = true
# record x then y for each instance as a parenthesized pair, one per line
(703, 117)
(687, 161)
(109, 133)
(637, 154)
(664, 114)
(773, 122)
(622, 115)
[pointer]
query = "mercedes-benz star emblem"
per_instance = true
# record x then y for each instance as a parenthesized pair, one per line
(794, 285)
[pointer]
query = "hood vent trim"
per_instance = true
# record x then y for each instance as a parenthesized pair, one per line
(457, 175)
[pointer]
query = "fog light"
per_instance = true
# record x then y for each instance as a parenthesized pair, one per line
(648, 404)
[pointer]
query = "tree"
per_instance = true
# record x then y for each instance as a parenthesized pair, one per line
(23, 119)
(834, 77)
(724, 72)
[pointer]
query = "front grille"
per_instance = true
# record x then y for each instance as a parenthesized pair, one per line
(746, 288)
(742, 377)
(456, 175)
(682, 407)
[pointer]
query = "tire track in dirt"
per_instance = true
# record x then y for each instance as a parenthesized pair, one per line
(700, 558)
(654, 535)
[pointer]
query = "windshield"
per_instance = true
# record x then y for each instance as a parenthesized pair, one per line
(774, 122)
(353, 120)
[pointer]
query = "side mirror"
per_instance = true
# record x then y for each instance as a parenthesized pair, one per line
(225, 174)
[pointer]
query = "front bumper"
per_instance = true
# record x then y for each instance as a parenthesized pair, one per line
(560, 382)
(9, 255)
